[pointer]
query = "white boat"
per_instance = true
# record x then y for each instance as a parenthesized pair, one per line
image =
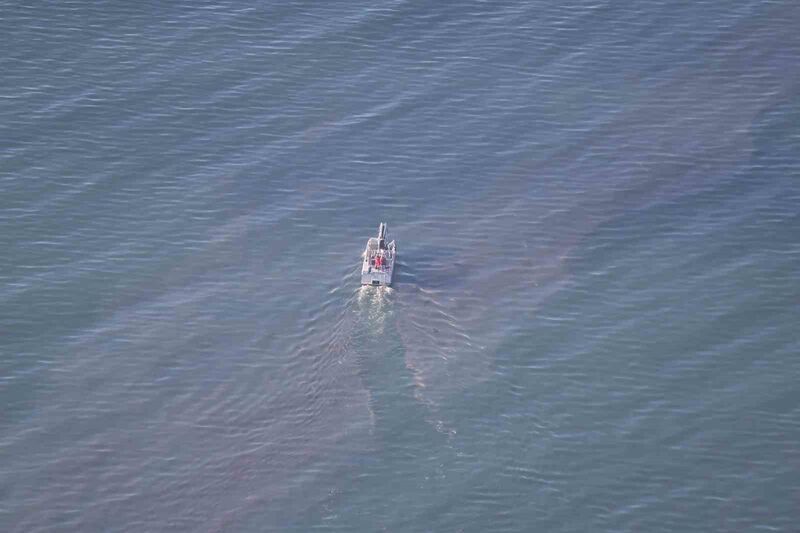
(379, 258)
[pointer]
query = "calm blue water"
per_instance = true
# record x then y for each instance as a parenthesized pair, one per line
(594, 325)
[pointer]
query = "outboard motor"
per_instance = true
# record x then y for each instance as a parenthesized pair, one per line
(382, 236)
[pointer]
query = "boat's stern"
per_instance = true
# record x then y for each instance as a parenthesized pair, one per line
(376, 277)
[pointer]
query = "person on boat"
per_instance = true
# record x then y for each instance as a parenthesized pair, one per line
(378, 261)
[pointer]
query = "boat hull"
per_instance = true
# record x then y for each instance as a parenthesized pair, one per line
(377, 267)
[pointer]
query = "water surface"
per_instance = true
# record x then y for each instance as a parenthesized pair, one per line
(594, 320)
